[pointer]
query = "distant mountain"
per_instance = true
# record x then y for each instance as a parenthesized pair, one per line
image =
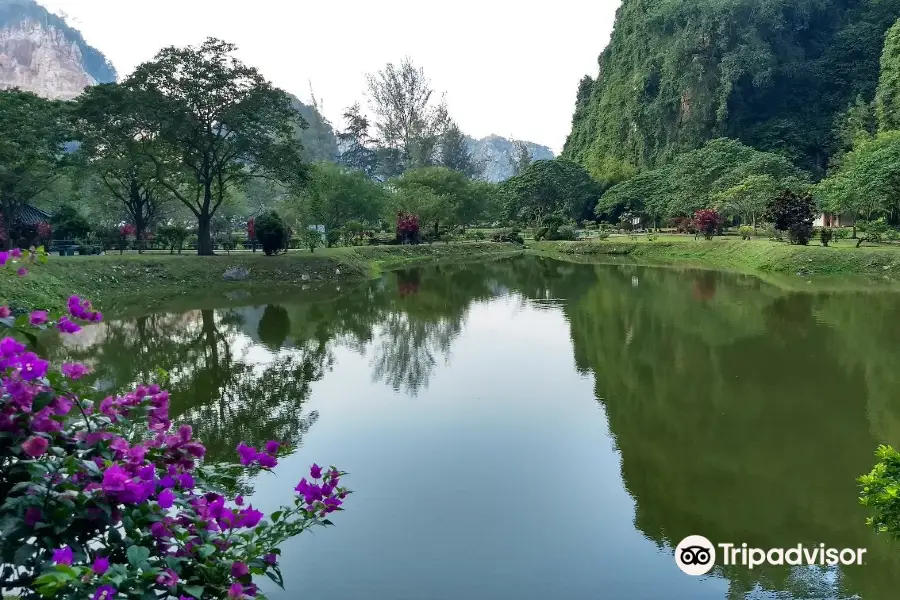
(319, 138)
(496, 154)
(40, 53)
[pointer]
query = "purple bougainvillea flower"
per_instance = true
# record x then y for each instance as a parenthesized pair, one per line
(67, 326)
(236, 591)
(250, 517)
(101, 565)
(4, 258)
(4, 312)
(105, 592)
(270, 559)
(266, 460)
(239, 500)
(16, 253)
(272, 447)
(32, 367)
(239, 569)
(32, 516)
(35, 446)
(114, 479)
(166, 499)
(38, 317)
(186, 480)
(315, 471)
(168, 578)
(22, 272)
(246, 453)
(63, 556)
(158, 529)
(75, 370)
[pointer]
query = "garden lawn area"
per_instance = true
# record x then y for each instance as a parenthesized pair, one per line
(120, 282)
(842, 257)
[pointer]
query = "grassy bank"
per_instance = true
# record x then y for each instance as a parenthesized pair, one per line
(753, 256)
(116, 282)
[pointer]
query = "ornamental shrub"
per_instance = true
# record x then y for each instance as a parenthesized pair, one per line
(793, 214)
(271, 232)
(102, 498)
(706, 222)
(407, 228)
(826, 235)
(746, 232)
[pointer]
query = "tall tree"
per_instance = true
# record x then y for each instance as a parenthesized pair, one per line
(887, 96)
(551, 188)
(32, 133)
(355, 142)
(748, 199)
(407, 117)
(113, 146)
(521, 157)
(454, 152)
(217, 123)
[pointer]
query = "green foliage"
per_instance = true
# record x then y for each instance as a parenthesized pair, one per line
(771, 73)
(439, 196)
(338, 194)
(508, 235)
(357, 145)
(746, 232)
(826, 235)
(723, 172)
(172, 237)
(315, 134)
(793, 214)
(311, 239)
(69, 224)
(876, 231)
(887, 96)
(271, 232)
(550, 187)
(881, 492)
(453, 150)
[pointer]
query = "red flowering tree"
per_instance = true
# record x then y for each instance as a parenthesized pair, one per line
(407, 228)
(126, 232)
(102, 497)
(707, 220)
(251, 232)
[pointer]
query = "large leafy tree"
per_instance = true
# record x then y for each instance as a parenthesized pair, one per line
(408, 120)
(215, 123)
(114, 147)
(32, 136)
(454, 152)
(748, 199)
(887, 96)
(551, 187)
(337, 195)
(460, 201)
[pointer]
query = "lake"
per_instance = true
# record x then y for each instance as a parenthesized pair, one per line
(534, 429)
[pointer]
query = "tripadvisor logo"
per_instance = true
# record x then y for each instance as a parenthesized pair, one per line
(696, 555)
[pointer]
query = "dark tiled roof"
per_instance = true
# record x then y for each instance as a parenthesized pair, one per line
(30, 215)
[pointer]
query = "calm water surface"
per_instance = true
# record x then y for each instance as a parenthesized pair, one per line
(530, 429)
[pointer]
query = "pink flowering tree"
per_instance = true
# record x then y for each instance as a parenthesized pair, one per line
(104, 498)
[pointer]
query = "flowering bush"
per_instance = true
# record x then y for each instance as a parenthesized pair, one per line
(101, 498)
(706, 220)
(407, 228)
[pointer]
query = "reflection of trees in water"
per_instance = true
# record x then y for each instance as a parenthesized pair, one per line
(405, 354)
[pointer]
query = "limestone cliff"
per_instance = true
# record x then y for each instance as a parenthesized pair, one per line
(40, 53)
(496, 155)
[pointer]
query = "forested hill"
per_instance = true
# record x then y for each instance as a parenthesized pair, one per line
(776, 74)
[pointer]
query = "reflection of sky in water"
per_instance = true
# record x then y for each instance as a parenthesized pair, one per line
(498, 480)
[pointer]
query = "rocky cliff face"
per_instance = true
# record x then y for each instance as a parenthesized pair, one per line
(40, 53)
(496, 154)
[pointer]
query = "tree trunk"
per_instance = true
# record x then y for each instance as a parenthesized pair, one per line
(204, 236)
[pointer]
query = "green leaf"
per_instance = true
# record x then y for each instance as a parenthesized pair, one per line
(207, 550)
(193, 590)
(137, 555)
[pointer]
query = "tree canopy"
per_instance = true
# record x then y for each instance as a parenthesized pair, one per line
(550, 187)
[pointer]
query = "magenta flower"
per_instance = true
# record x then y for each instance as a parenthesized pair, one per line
(75, 370)
(270, 559)
(32, 367)
(158, 529)
(67, 326)
(16, 253)
(114, 479)
(35, 446)
(105, 592)
(247, 453)
(4, 258)
(101, 565)
(38, 317)
(22, 272)
(166, 499)
(186, 480)
(266, 460)
(4, 312)
(63, 556)
(32, 516)
(272, 447)
(239, 500)
(315, 471)
(236, 591)
(250, 517)
(168, 578)
(239, 569)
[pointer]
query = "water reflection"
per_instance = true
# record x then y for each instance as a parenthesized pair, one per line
(741, 412)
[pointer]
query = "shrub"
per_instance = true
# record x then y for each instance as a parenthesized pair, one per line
(826, 235)
(271, 232)
(879, 492)
(875, 231)
(446, 238)
(746, 232)
(566, 233)
(408, 228)
(103, 499)
(479, 235)
(69, 224)
(794, 214)
(706, 220)
(226, 241)
(540, 233)
(311, 238)
(508, 236)
(842, 233)
(652, 237)
(172, 237)
(603, 235)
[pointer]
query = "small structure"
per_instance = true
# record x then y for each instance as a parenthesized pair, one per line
(834, 220)
(27, 220)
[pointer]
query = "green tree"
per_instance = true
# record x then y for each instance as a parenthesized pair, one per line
(32, 133)
(68, 223)
(857, 122)
(271, 232)
(550, 187)
(408, 120)
(887, 96)
(337, 195)
(647, 193)
(454, 152)
(748, 198)
(217, 123)
(461, 202)
(357, 152)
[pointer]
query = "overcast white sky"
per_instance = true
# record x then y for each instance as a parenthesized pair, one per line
(508, 67)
